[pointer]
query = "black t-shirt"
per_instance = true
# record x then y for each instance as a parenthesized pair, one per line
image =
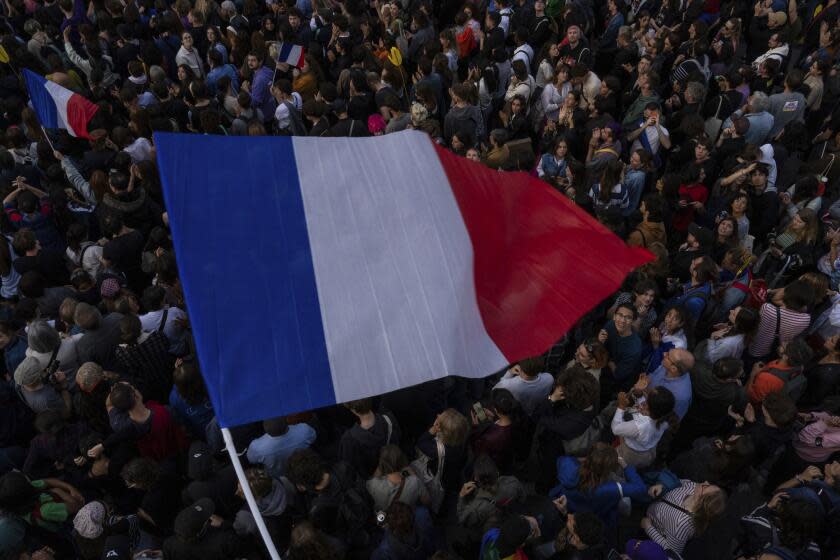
(48, 263)
(215, 544)
(125, 254)
(161, 503)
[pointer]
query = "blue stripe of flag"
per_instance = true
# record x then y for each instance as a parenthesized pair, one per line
(240, 235)
(42, 101)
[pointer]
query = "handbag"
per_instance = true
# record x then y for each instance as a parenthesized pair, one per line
(433, 484)
(714, 124)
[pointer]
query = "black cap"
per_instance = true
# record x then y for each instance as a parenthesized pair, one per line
(200, 461)
(117, 547)
(191, 521)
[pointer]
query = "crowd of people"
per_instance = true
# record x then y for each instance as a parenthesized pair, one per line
(694, 414)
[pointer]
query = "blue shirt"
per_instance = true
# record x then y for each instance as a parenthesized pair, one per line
(216, 73)
(760, 126)
(193, 417)
(273, 452)
(679, 386)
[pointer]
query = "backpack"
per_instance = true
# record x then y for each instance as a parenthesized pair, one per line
(432, 482)
(707, 317)
(580, 446)
(794, 380)
(351, 506)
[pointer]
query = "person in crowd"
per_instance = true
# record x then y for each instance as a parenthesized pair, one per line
(643, 426)
(394, 480)
(273, 449)
(527, 382)
(360, 445)
(683, 513)
(589, 484)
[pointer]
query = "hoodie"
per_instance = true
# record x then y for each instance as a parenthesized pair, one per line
(272, 504)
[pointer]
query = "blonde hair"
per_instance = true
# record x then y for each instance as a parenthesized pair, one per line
(818, 282)
(708, 508)
(454, 427)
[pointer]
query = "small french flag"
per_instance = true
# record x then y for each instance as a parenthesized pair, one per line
(58, 107)
(290, 54)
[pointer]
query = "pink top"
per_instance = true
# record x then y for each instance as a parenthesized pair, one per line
(791, 325)
(817, 441)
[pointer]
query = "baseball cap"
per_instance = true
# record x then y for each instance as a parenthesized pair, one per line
(117, 547)
(191, 520)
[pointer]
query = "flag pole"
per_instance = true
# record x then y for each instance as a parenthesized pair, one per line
(249, 496)
(47, 136)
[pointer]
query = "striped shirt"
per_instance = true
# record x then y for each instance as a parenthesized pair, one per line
(791, 324)
(671, 527)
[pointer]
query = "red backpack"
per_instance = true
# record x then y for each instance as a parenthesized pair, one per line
(755, 288)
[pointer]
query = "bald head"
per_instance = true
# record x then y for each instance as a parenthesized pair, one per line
(680, 362)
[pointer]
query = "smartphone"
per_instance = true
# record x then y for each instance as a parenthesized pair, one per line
(480, 414)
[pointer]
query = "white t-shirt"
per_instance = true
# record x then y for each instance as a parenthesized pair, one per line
(529, 392)
(653, 139)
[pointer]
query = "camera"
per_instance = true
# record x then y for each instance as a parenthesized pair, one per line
(50, 371)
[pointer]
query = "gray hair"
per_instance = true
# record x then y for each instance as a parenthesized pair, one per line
(696, 90)
(499, 135)
(759, 102)
(42, 338)
(626, 32)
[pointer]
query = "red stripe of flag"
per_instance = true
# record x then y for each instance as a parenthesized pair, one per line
(564, 261)
(79, 113)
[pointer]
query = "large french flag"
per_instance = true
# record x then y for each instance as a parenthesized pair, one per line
(59, 107)
(320, 270)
